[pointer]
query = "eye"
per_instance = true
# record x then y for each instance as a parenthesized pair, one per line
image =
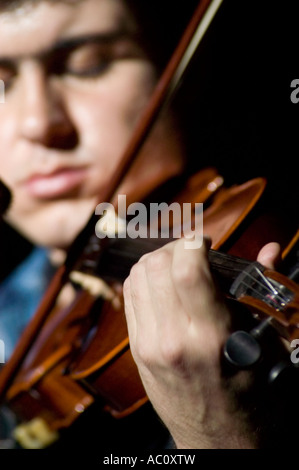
(93, 57)
(87, 60)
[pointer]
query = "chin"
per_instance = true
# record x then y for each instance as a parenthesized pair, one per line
(61, 241)
(57, 227)
(49, 238)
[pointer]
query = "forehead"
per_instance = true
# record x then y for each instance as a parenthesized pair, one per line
(32, 28)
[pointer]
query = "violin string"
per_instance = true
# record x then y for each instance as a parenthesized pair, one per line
(277, 295)
(266, 285)
(271, 287)
(150, 244)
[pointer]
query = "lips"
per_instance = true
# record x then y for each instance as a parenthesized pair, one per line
(55, 184)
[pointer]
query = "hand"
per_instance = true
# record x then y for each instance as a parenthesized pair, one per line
(178, 324)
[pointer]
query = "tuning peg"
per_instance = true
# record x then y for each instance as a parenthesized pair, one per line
(285, 374)
(243, 349)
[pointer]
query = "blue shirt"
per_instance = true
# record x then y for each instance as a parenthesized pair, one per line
(20, 295)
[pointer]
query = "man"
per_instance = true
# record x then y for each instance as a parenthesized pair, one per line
(76, 81)
(107, 67)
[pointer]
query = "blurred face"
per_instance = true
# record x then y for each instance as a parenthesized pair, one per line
(76, 81)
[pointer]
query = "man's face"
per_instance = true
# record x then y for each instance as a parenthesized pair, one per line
(75, 84)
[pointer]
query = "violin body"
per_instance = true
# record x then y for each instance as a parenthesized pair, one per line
(81, 354)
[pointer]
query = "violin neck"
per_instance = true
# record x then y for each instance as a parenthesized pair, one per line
(226, 268)
(114, 261)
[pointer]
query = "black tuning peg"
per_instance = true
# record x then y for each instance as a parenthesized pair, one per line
(285, 374)
(243, 349)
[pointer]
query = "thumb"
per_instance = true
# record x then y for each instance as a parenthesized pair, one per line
(270, 255)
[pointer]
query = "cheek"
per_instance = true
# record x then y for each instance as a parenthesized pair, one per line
(108, 110)
(7, 133)
(135, 91)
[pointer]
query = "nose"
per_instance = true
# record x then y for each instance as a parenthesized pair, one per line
(44, 118)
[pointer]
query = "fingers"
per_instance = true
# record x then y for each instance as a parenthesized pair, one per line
(171, 299)
(129, 309)
(171, 279)
(174, 284)
(151, 304)
(269, 255)
(177, 327)
(193, 279)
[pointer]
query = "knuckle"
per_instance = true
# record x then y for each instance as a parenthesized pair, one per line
(186, 274)
(126, 286)
(127, 293)
(144, 257)
(136, 271)
(192, 270)
(173, 354)
(143, 353)
(157, 261)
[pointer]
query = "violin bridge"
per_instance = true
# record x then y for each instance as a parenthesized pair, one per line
(96, 287)
(35, 434)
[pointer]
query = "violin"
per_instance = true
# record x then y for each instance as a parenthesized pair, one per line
(81, 353)
(70, 357)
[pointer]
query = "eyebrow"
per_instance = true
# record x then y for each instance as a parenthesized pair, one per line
(70, 43)
(67, 44)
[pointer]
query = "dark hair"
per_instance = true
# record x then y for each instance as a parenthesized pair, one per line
(162, 24)
(9, 5)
